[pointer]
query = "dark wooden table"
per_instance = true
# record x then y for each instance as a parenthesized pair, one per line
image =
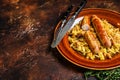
(26, 32)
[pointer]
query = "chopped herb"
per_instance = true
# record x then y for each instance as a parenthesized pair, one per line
(113, 74)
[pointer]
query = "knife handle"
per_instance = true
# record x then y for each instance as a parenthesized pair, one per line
(66, 14)
(80, 7)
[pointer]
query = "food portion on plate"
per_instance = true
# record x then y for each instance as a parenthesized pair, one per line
(95, 38)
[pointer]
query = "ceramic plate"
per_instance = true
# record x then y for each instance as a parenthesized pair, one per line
(71, 55)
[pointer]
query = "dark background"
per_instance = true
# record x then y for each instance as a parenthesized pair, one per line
(26, 32)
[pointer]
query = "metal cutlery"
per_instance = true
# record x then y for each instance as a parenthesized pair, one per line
(65, 26)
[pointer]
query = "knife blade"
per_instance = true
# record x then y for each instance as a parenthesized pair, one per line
(67, 26)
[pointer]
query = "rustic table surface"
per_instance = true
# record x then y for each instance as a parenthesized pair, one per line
(26, 32)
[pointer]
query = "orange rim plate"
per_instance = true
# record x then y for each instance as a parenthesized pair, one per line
(67, 52)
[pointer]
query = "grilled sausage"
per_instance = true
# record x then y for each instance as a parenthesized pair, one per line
(98, 25)
(92, 42)
(85, 25)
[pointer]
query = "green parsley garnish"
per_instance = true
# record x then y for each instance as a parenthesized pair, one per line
(113, 74)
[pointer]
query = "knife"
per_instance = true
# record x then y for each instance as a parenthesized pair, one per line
(63, 30)
(63, 21)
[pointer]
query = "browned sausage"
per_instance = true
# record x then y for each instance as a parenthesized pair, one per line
(85, 25)
(98, 25)
(92, 42)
